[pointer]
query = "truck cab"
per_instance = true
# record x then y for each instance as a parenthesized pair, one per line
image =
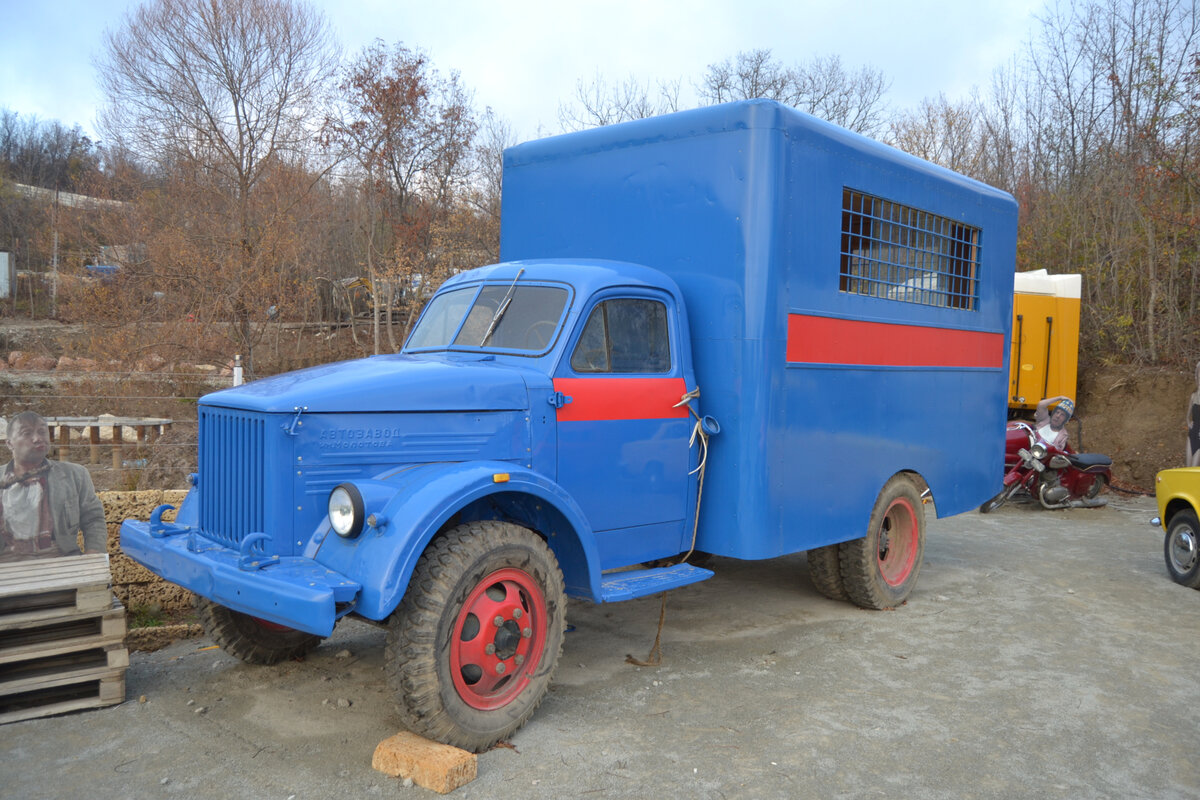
(604, 352)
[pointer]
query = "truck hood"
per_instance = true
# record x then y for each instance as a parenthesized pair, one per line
(382, 383)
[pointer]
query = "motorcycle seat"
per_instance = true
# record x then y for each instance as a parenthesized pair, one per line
(1086, 460)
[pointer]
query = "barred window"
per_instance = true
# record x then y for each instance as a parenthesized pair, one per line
(902, 253)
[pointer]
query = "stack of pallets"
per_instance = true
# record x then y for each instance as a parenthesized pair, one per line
(62, 637)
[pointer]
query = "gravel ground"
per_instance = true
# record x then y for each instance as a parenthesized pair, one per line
(1044, 654)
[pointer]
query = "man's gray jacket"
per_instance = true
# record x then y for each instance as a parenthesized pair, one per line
(75, 507)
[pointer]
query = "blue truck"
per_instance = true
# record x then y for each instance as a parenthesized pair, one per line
(738, 331)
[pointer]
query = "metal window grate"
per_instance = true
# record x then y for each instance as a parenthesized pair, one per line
(902, 253)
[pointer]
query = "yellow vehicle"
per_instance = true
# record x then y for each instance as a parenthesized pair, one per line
(1045, 337)
(1178, 495)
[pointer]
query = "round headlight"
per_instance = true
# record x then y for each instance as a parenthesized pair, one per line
(346, 510)
(1038, 451)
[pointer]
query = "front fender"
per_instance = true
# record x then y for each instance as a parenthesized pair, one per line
(1176, 489)
(1014, 475)
(415, 502)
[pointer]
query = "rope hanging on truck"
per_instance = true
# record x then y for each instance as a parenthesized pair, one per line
(654, 658)
(698, 432)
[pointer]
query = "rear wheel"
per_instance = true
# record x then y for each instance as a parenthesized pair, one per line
(880, 570)
(1094, 490)
(825, 570)
(1181, 547)
(472, 648)
(253, 640)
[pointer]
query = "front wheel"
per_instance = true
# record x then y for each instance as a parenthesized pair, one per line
(253, 640)
(1181, 547)
(472, 648)
(999, 500)
(880, 569)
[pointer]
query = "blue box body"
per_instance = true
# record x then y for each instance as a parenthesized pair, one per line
(732, 216)
(741, 204)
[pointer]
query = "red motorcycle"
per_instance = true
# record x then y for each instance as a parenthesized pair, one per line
(1056, 478)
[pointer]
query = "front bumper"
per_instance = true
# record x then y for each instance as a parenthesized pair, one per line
(293, 591)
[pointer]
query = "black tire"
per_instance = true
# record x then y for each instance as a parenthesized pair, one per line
(991, 505)
(438, 658)
(825, 571)
(1095, 489)
(1000, 499)
(1181, 548)
(253, 640)
(880, 570)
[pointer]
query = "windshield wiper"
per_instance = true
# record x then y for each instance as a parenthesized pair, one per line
(501, 308)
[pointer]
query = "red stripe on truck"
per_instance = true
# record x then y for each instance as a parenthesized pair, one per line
(595, 399)
(826, 340)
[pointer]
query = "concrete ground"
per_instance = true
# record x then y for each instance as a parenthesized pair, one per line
(1043, 654)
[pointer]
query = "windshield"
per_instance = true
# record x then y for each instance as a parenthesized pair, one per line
(461, 318)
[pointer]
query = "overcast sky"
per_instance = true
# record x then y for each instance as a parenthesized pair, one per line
(523, 58)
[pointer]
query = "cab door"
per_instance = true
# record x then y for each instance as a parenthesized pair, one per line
(623, 450)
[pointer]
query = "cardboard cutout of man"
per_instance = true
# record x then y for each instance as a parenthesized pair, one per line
(1051, 425)
(1193, 423)
(44, 504)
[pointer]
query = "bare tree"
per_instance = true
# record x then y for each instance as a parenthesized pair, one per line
(750, 74)
(410, 134)
(854, 100)
(221, 97)
(45, 153)
(599, 103)
(821, 87)
(1110, 127)
(1002, 137)
(496, 135)
(943, 132)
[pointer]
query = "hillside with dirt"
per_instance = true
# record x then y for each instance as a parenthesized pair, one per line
(1136, 415)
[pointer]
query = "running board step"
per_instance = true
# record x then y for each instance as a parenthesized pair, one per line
(618, 586)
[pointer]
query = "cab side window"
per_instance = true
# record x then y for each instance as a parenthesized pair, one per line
(624, 335)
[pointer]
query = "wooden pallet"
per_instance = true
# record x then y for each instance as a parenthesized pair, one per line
(64, 693)
(51, 586)
(62, 638)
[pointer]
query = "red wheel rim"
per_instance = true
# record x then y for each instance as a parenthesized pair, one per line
(498, 639)
(898, 542)
(266, 624)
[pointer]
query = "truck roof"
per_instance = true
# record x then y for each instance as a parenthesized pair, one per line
(745, 115)
(585, 275)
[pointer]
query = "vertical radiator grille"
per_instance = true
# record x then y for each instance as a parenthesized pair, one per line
(232, 474)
